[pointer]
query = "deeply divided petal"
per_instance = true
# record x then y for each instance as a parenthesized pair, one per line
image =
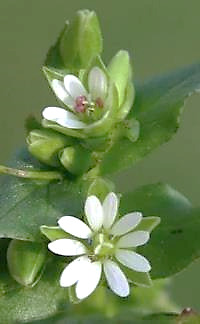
(97, 83)
(133, 260)
(67, 247)
(74, 86)
(61, 93)
(133, 239)
(94, 212)
(75, 226)
(71, 273)
(90, 277)
(63, 117)
(126, 224)
(110, 209)
(116, 279)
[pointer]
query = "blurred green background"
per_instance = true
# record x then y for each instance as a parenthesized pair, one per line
(160, 35)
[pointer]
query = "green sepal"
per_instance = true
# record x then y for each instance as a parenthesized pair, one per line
(81, 40)
(76, 159)
(120, 71)
(126, 106)
(63, 130)
(148, 224)
(52, 73)
(44, 145)
(137, 278)
(100, 187)
(72, 296)
(26, 261)
(53, 232)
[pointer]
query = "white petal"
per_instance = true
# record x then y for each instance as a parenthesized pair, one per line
(110, 209)
(74, 86)
(61, 93)
(94, 212)
(75, 226)
(133, 260)
(62, 117)
(71, 273)
(133, 239)
(126, 224)
(67, 247)
(97, 83)
(90, 276)
(116, 279)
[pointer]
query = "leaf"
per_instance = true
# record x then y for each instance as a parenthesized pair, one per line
(157, 107)
(175, 243)
(26, 204)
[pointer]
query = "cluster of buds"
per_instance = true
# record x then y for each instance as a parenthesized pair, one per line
(95, 99)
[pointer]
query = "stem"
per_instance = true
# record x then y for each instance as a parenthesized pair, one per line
(39, 175)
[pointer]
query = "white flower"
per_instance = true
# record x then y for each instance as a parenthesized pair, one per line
(82, 104)
(104, 243)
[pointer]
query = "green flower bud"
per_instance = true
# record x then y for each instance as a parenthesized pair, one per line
(45, 144)
(26, 261)
(81, 40)
(76, 159)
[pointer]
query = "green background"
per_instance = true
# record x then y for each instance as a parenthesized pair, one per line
(160, 35)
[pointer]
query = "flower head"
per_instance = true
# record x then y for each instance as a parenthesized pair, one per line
(84, 106)
(104, 244)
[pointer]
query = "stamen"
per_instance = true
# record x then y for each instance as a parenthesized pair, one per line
(81, 104)
(99, 102)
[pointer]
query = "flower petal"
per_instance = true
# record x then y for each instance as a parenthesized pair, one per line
(90, 276)
(110, 209)
(133, 260)
(94, 212)
(97, 83)
(67, 247)
(116, 279)
(75, 226)
(62, 117)
(71, 273)
(133, 239)
(74, 86)
(126, 224)
(61, 93)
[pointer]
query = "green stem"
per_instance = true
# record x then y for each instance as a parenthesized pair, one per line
(37, 175)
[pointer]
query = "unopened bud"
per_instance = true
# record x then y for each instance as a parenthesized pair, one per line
(81, 41)
(76, 159)
(45, 144)
(26, 261)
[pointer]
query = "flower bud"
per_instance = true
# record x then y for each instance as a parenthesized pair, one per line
(81, 40)
(26, 261)
(76, 159)
(45, 144)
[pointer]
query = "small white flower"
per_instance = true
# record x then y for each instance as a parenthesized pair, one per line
(106, 242)
(79, 101)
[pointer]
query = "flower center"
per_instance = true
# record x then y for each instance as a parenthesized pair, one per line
(103, 246)
(82, 104)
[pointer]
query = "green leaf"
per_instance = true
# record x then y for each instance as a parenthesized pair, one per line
(157, 107)
(26, 204)
(175, 243)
